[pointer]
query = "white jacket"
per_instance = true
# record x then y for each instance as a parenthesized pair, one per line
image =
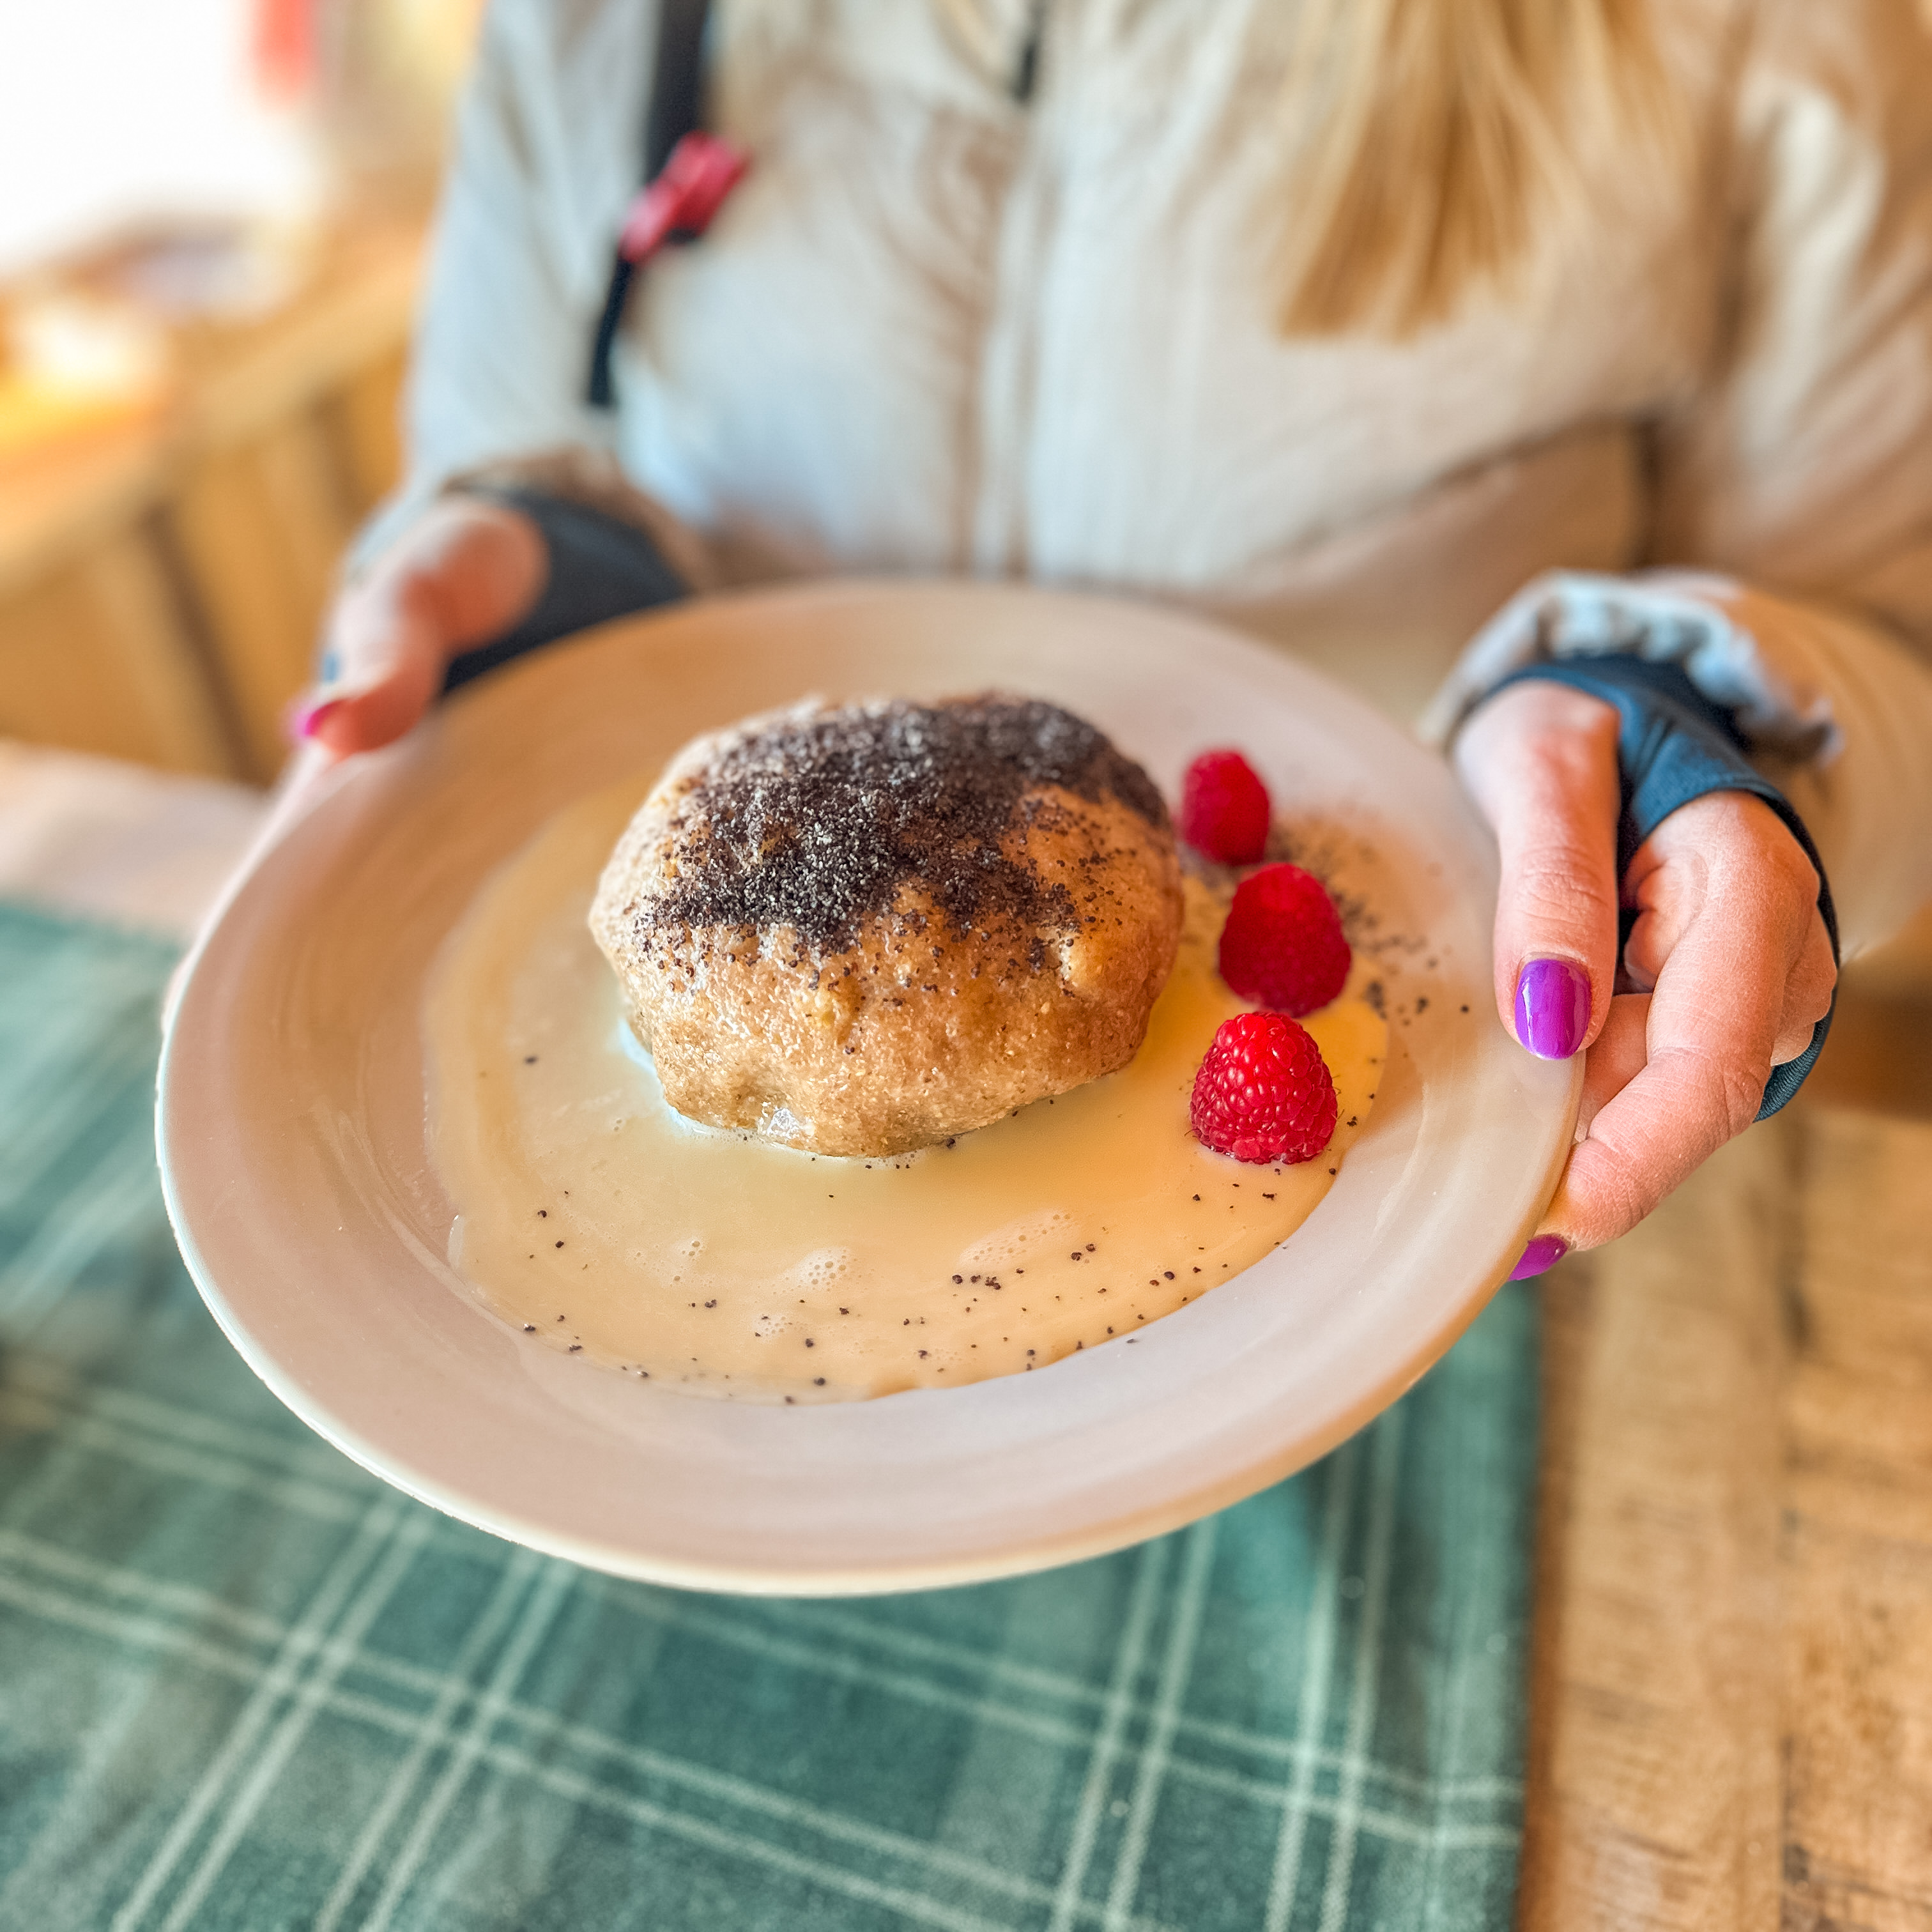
(934, 330)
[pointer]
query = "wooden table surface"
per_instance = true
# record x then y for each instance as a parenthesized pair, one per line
(1732, 1698)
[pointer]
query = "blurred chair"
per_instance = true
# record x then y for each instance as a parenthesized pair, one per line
(161, 581)
(176, 489)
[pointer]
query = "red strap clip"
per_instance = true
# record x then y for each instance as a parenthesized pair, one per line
(688, 190)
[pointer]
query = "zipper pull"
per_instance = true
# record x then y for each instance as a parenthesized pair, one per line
(679, 202)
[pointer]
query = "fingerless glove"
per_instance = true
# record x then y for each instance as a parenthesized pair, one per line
(1675, 745)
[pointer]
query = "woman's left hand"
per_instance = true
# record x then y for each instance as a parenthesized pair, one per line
(1727, 970)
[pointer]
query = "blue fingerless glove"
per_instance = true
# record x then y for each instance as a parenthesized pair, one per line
(1675, 745)
(600, 567)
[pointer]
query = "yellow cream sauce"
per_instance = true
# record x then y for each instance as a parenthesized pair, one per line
(590, 1214)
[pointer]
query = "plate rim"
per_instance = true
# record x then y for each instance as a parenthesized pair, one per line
(1110, 1532)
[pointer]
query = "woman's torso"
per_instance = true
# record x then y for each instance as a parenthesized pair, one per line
(937, 329)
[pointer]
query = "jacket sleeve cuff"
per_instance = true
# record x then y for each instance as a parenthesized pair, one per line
(600, 566)
(1678, 618)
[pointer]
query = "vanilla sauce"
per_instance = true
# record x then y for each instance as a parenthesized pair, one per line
(592, 1216)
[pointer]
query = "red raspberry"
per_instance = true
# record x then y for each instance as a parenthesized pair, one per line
(1264, 1092)
(1224, 808)
(1281, 945)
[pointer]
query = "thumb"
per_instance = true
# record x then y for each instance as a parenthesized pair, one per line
(467, 571)
(385, 663)
(1541, 761)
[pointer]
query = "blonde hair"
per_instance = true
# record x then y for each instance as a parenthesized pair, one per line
(1436, 136)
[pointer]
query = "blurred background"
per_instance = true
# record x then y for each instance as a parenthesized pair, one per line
(212, 213)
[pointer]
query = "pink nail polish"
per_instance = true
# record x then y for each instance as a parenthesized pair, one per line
(303, 720)
(1542, 1254)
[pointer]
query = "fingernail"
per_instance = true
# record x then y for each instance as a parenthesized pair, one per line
(1544, 1252)
(304, 720)
(1552, 1008)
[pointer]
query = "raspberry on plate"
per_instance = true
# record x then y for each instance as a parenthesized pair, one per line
(1224, 808)
(1263, 1093)
(1281, 945)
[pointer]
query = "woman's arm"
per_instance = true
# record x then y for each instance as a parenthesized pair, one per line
(1794, 516)
(547, 151)
(513, 523)
(1802, 469)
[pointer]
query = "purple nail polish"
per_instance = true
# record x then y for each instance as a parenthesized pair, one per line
(1552, 1008)
(1545, 1252)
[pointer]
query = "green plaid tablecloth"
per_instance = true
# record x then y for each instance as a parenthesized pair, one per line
(243, 1684)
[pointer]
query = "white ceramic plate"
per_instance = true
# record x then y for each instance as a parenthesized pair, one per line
(292, 1144)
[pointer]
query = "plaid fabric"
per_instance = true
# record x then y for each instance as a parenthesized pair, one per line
(243, 1684)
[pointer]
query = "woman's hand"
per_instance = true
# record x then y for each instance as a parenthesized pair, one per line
(1727, 970)
(465, 572)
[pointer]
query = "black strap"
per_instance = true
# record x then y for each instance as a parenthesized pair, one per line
(1026, 70)
(676, 109)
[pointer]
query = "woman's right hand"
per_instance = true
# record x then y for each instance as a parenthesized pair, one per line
(463, 573)
(466, 571)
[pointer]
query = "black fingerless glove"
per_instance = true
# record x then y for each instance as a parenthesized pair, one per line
(600, 567)
(1674, 745)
